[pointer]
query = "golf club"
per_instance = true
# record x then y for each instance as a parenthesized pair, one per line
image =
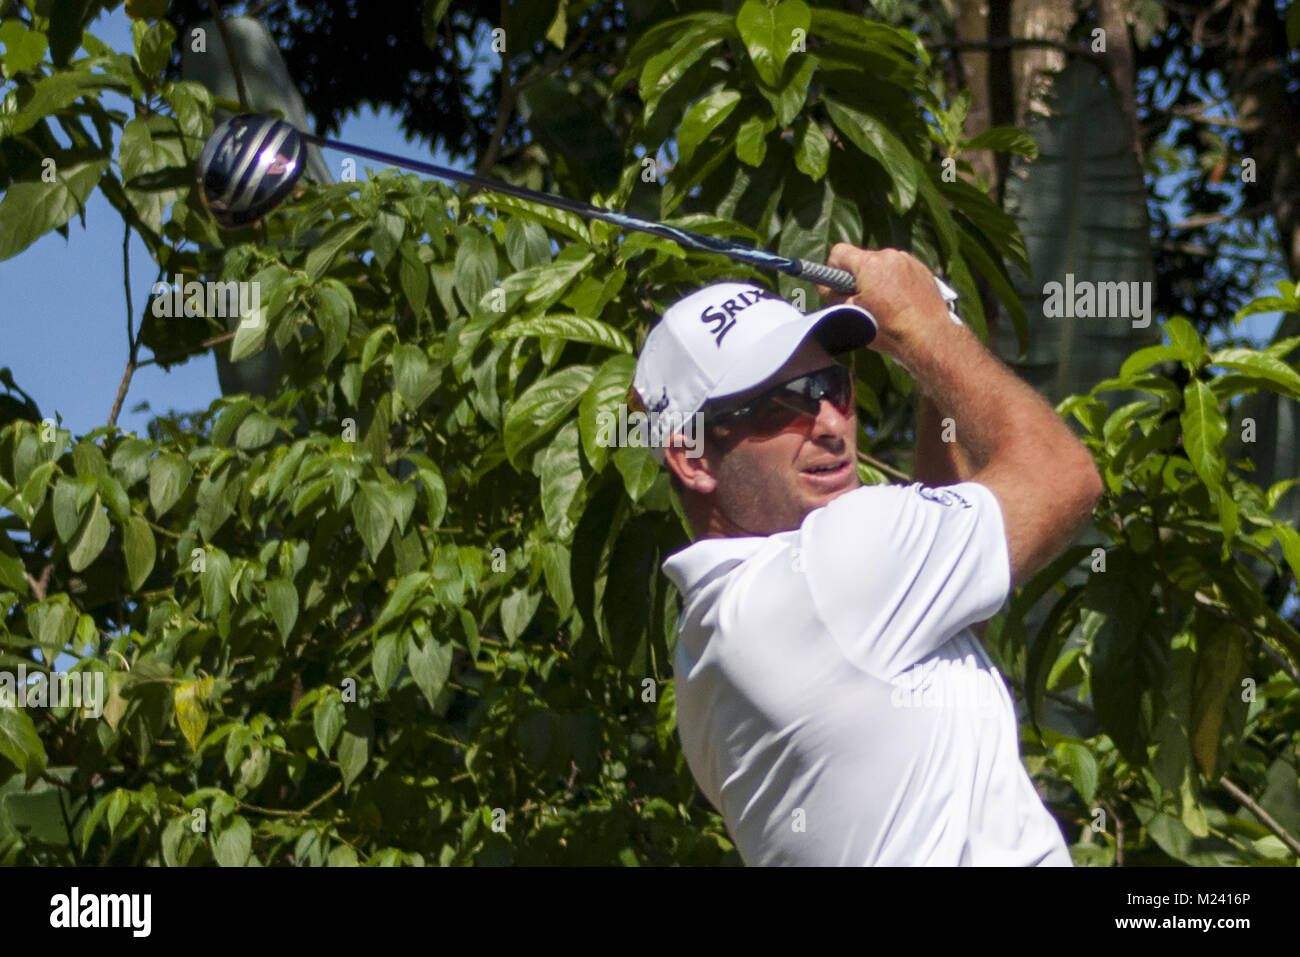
(251, 162)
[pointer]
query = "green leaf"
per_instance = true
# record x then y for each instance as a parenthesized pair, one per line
(570, 328)
(256, 430)
(321, 256)
(475, 267)
(557, 220)
(411, 375)
(141, 551)
(215, 499)
(250, 336)
(430, 664)
(13, 574)
(67, 508)
(751, 139)
(190, 700)
(1184, 337)
(234, 844)
(666, 68)
(874, 138)
(812, 150)
(1004, 139)
(169, 474)
(1149, 356)
(90, 538)
(1081, 767)
(386, 662)
(215, 582)
(20, 743)
(789, 99)
(526, 243)
(431, 16)
(1219, 659)
(1114, 621)
(600, 405)
(52, 623)
(334, 311)
(771, 33)
(517, 610)
(404, 592)
(30, 210)
(702, 119)
(1261, 365)
(556, 561)
(559, 466)
(354, 747)
(153, 45)
(282, 601)
(24, 48)
(554, 278)
(327, 719)
(131, 460)
(373, 512)
(53, 94)
(413, 276)
(538, 411)
(639, 469)
(386, 236)
(1204, 427)
(1289, 539)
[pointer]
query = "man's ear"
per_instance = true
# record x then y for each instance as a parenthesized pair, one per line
(696, 472)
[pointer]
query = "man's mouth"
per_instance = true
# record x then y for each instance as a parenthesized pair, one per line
(827, 473)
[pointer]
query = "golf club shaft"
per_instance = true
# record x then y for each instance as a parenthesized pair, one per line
(840, 280)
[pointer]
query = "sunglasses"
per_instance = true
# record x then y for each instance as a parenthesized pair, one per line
(791, 405)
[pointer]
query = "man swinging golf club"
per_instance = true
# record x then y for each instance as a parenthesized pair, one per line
(832, 702)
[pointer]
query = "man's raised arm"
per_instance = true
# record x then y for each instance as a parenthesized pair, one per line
(1044, 478)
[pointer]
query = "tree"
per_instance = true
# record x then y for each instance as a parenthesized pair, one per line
(407, 608)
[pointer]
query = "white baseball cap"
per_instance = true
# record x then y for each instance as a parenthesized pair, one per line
(725, 339)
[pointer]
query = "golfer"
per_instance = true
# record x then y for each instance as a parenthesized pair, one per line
(832, 701)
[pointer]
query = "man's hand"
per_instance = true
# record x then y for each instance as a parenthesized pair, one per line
(895, 287)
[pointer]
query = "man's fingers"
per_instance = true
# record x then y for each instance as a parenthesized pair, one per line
(843, 256)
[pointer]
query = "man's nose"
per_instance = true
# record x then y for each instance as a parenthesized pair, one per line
(830, 420)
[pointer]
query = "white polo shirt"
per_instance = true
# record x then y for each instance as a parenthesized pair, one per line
(832, 702)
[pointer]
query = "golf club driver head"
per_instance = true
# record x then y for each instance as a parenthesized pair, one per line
(248, 167)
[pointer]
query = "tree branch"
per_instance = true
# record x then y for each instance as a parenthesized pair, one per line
(884, 467)
(1015, 43)
(1264, 817)
(230, 55)
(510, 91)
(1247, 212)
(133, 340)
(206, 343)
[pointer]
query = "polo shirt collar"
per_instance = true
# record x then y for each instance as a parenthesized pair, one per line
(688, 568)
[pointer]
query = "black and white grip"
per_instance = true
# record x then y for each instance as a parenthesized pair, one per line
(841, 280)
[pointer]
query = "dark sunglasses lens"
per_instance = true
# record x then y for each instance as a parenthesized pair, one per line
(833, 383)
(794, 403)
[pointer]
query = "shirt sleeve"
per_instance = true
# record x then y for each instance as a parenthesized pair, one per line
(896, 571)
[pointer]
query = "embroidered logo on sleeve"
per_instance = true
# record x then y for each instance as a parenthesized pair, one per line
(944, 496)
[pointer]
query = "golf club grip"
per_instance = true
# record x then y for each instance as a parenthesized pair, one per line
(841, 280)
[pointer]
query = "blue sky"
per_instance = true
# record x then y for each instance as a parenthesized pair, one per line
(63, 305)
